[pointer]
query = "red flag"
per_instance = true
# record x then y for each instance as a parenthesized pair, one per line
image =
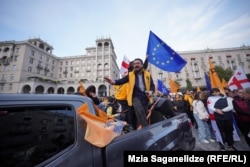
(238, 80)
(125, 65)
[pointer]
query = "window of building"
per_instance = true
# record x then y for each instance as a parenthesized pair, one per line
(14, 67)
(10, 87)
(197, 74)
(41, 57)
(70, 75)
(1, 87)
(66, 63)
(53, 129)
(238, 57)
(71, 68)
(4, 77)
(106, 66)
(12, 76)
(32, 53)
(17, 50)
(71, 62)
(15, 58)
(29, 69)
(47, 59)
(60, 69)
(88, 68)
(61, 63)
(99, 67)
(31, 61)
(6, 68)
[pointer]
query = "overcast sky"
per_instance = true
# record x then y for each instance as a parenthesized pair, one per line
(73, 25)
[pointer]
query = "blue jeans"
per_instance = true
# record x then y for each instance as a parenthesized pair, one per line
(203, 128)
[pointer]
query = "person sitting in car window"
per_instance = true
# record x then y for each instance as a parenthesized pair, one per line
(91, 93)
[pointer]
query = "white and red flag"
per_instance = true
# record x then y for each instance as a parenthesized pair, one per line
(238, 80)
(210, 106)
(125, 65)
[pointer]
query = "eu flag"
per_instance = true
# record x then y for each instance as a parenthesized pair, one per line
(162, 56)
(162, 88)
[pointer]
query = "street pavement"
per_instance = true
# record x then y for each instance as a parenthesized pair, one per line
(199, 146)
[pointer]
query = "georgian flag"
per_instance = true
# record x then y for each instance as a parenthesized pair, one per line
(125, 65)
(210, 105)
(238, 80)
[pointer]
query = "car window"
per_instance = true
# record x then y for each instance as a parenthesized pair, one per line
(31, 135)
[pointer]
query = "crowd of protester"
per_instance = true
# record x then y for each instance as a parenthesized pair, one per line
(217, 115)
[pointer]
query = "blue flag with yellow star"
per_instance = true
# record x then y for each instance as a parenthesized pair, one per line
(162, 56)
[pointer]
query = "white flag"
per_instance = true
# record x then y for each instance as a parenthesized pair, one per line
(238, 80)
(210, 105)
(124, 65)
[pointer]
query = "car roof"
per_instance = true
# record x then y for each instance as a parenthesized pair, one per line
(34, 97)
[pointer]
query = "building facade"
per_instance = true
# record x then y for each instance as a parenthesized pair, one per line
(197, 65)
(30, 67)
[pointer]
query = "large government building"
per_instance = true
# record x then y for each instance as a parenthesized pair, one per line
(30, 67)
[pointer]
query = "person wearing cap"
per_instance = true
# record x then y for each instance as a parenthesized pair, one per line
(140, 90)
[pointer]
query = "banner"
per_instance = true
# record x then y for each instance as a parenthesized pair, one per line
(162, 56)
(173, 86)
(214, 79)
(124, 65)
(162, 88)
(238, 80)
(210, 105)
